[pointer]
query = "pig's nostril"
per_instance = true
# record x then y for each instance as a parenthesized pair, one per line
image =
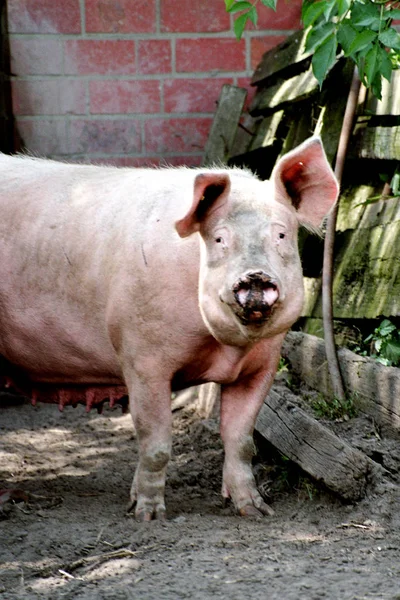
(270, 293)
(259, 285)
(255, 293)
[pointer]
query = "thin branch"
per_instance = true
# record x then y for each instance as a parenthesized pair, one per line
(327, 273)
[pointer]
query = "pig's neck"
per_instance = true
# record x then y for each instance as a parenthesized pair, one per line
(211, 361)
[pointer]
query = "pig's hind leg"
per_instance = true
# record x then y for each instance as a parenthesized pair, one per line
(150, 407)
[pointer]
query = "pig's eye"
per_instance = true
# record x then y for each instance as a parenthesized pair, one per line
(219, 240)
(281, 236)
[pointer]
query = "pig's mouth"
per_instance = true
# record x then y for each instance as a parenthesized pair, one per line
(255, 296)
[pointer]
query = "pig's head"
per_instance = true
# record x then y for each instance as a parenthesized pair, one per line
(251, 284)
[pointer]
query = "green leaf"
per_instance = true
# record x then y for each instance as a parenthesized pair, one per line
(346, 35)
(240, 6)
(240, 24)
(317, 35)
(324, 58)
(269, 3)
(390, 38)
(386, 67)
(228, 4)
(383, 361)
(385, 327)
(253, 16)
(394, 13)
(313, 12)
(330, 10)
(395, 184)
(372, 63)
(343, 6)
(392, 351)
(365, 15)
(362, 40)
(376, 86)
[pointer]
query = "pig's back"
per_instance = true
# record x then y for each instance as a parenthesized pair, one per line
(71, 236)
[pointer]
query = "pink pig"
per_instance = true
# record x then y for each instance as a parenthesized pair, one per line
(160, 279)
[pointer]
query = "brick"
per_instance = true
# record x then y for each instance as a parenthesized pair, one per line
(154, 56)
(45, 137)
(126, 161)
(192, 95)
(36, 56)
(145, 161)
(260, 45)
(182, 161)
(104, 136)
(244, 82)
(44, 16)
(124, 97)
(176, 135)
(48, 97)
(287, 16)
(188, 16)
(100, 57)
(210, 54)
(120, 16)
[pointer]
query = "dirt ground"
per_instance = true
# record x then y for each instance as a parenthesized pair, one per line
(77, 542)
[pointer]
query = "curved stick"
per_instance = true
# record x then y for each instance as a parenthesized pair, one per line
(327, 272)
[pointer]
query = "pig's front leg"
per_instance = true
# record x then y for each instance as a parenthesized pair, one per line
(240, 405)
(150, 406)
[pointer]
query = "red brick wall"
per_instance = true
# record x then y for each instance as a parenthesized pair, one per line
(129, 81)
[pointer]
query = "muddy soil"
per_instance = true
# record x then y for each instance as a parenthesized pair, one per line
(77, 542)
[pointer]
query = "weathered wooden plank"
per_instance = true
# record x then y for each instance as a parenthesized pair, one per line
(300, 127)
(306, 442)
(266, 131)
(282, 58)
(283, 92)
(390, 103)
(209, 400)
(328, 459)
(329, 124)
(378, 142)
(356, 209)
(377, 387)
(245, 133)
(368, 260)
(224, 126)
(366, 281)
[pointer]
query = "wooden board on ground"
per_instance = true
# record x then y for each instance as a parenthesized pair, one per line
(323, 455)
(320, 453)
(376, 388)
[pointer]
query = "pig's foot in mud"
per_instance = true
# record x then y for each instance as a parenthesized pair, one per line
(244, 495)
(147, 491)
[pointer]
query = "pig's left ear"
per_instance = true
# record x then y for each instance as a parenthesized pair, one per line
(304, 178)
(210, 192)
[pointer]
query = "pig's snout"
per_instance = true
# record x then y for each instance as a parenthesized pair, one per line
(255, 295)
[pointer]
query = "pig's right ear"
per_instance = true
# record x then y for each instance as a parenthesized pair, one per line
(304, 179)
(210, 193)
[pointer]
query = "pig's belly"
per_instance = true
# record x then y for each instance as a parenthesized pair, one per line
(70, 354)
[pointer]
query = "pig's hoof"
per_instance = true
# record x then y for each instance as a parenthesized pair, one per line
(146, 512)
(249, 510)
(146, 515)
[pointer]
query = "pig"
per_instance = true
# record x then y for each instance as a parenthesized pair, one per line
(158, 279)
